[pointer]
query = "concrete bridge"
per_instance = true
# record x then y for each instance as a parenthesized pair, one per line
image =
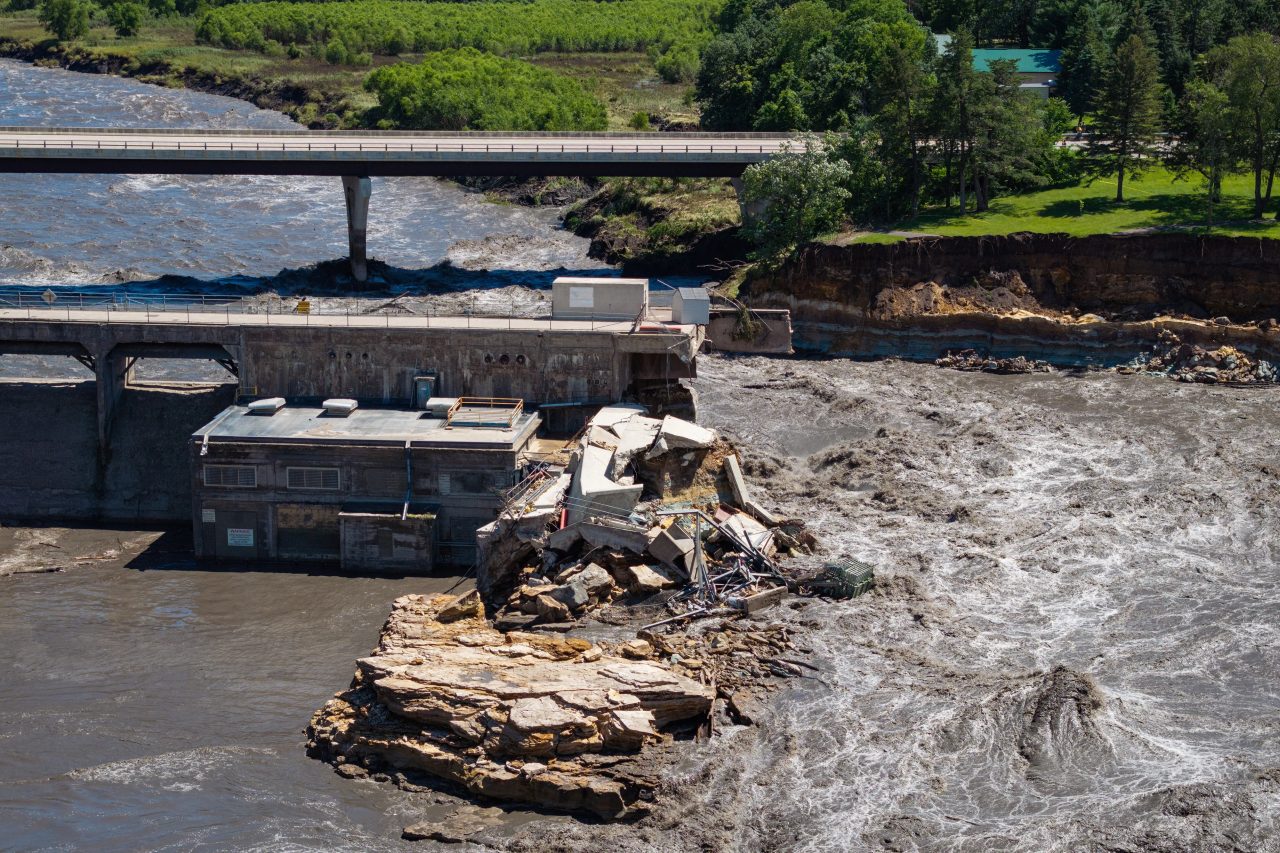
(565, 365)
(355, 156)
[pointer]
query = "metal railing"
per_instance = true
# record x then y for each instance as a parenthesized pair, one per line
(603, 147)
(106, 305)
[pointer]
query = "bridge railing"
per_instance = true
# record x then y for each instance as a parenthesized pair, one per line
(389, 147)
(107, 305)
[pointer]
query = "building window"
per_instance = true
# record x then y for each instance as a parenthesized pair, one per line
(315, 479)
(231, 476)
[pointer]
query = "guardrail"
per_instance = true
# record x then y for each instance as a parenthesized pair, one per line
(317, 147)
(411, 134)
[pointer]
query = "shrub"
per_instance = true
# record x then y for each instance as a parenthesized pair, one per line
(465, 89)
(639, 121)
(679, 64)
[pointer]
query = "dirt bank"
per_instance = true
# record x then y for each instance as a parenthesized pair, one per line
(1068, 300)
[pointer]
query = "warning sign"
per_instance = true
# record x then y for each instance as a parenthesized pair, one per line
(239, 537)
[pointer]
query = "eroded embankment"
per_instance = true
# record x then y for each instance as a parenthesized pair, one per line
(1093, 300)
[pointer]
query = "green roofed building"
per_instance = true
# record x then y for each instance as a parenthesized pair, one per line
(1037, 67)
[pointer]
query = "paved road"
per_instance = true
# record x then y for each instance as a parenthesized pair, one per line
(369, 153)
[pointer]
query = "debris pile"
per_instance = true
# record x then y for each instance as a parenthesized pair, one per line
(971, 360)
(1189, 363)
(651, 507)
(533, 718)
(650, 525)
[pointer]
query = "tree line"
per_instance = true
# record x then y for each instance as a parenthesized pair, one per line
(1088, 31)
(918, 125)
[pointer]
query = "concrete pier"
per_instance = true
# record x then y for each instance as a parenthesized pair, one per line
(357, 190)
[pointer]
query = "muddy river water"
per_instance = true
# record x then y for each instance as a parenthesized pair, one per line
(1074, 644)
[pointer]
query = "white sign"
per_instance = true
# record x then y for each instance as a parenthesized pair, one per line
(208, 516)
(239, 537)
(582, 297)
(49, 297)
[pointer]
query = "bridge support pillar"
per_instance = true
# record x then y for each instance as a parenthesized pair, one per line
(357, 190)
(747, 211)
(112, 374)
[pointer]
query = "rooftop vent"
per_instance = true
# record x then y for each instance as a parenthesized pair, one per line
(268, 407)
(339, 407)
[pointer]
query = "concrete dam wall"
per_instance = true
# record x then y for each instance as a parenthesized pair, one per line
(49, 450)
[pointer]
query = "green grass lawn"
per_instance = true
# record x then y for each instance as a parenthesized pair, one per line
(1156, 202)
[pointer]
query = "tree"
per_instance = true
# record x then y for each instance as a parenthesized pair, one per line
(1008, 135)
(66, 19)
(1208, 140)
(902, 89)
(1247, 70)
(1127, 118)
(1086, 51)
(804, 65)
(126, 17)
(797, 195)
(466, 89)
(954, 112)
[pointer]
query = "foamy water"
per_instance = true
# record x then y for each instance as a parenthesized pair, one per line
(1083, 617)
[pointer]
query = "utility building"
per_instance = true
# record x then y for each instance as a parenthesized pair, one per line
(370, 489)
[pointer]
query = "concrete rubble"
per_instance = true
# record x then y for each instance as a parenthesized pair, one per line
(687, 523)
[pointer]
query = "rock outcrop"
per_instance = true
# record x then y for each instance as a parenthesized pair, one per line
(529, 718)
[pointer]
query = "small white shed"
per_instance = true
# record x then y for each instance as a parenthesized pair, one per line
(691, 306)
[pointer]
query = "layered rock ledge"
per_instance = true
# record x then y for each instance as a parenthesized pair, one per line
(529, 718)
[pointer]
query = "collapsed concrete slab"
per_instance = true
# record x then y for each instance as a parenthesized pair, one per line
(594, 493)
(475, 707)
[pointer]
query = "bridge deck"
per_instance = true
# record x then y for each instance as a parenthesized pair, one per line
(121, 151)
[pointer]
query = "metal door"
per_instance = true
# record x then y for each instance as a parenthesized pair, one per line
(237, 535)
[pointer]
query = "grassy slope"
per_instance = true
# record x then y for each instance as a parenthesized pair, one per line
(625, 82)
(1158, 201)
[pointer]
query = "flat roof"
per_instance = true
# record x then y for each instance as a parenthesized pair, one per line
(1028, 61)
(309, 424)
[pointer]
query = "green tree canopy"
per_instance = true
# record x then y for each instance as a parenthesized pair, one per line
(66, 19)
(796, 196)
(126, 17)
(1247, 70)
(804, 65)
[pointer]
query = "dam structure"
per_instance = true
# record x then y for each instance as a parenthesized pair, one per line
(560, 368)
(356, 156)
